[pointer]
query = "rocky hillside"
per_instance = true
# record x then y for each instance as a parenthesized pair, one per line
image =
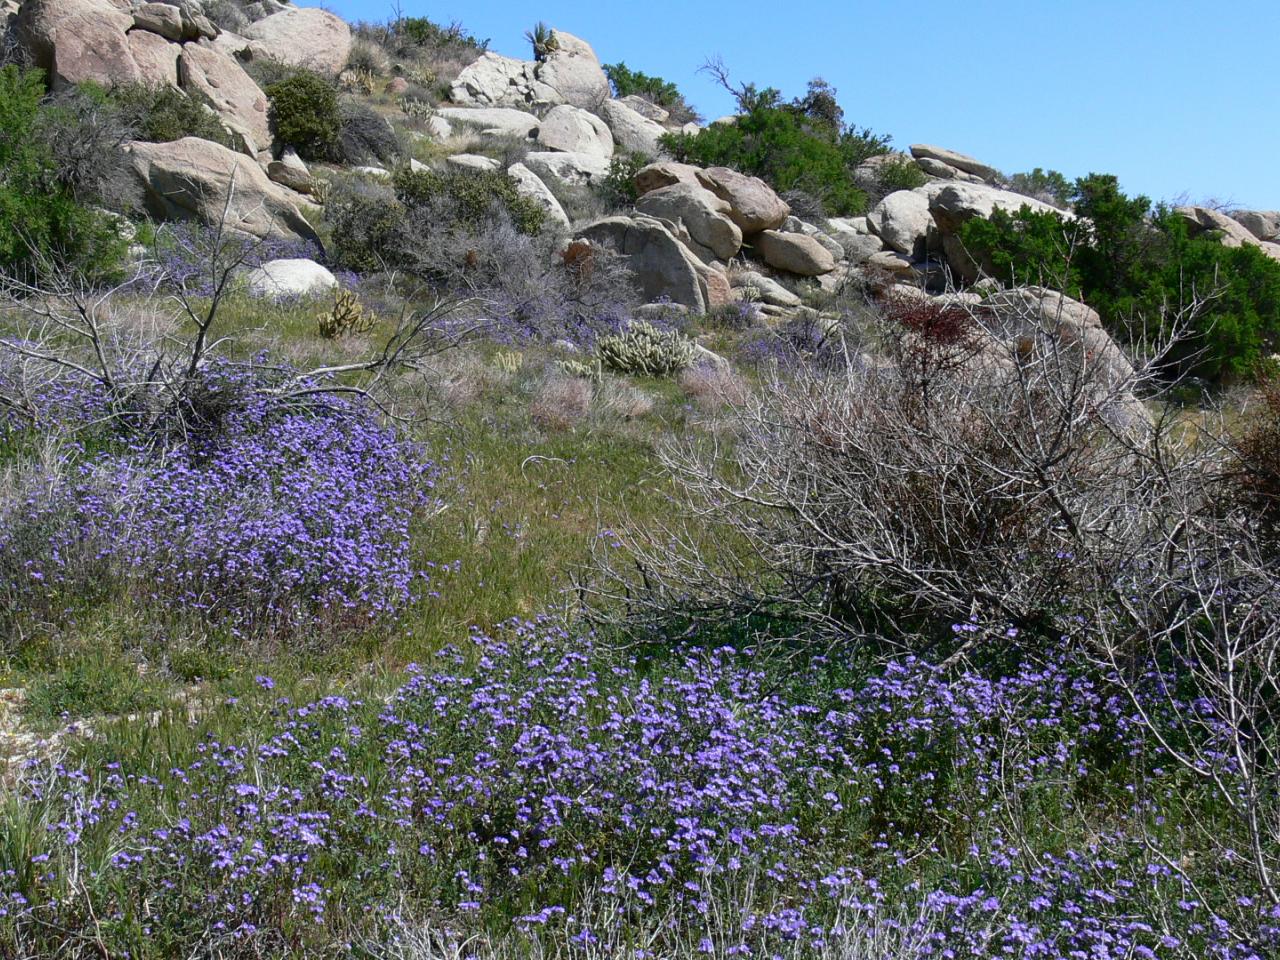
(697, 237)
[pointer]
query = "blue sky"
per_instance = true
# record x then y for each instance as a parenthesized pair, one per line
(1176, 97)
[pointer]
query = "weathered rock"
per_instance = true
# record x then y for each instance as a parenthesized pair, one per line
(473, 161)
(794, 253)
(571, 129)
(959, 161)
(1202, 219)
(218, 80)
(493, 80)
(574, 72)
(663, 174)
(663, 266)
(530, 185)
(304, 37)
(287, 175)
(1272, 250)
(161, 18)
(646, 108)
(944, 171)
(288, 279)
(503, 120)
(190, 179)
(1263, 224)
(765, 289)
(632, 131)
(376, 173)
(75, 41)
(578, 169)
(703, 214)
(238, 47)
(156, 57)
(753, 204)
(859, 247)
(903, 221)
(892, 262)
(396, 86)
(794, 224)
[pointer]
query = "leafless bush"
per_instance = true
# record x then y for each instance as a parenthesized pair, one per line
(714, 386)
(560, 402)
(149, 372)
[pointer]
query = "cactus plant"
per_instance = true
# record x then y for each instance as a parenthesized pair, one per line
(346, 317)
(644, 350)
(581, 370)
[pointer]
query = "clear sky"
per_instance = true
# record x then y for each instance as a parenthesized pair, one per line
(1176, 97)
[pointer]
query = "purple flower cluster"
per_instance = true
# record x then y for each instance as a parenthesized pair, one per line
(533, 774)
(276, 515)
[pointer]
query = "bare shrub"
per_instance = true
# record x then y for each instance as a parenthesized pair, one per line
(714, 386)
(618, 400)
(560, 402)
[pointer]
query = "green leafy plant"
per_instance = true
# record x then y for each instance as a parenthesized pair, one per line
(160, 114)
(1047, 185)
(902, 173)
(43, 229)
(644, 350)
(304, 114)
(626, 82)
(1138, 265)
(618, 188)
(802, 145)
(472, 194)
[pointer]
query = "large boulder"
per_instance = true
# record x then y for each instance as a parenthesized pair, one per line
(646, 108)
(570, 129)
(631, 130)
(1205, 219)
(757, 286)
(75, 41)
(796, 225)
(192, 179)
(473, 161)
(663, 174)
(493, 80)
(218, 80)
(903, 221)
(290, 279)
(754, 206)
(944, 171)
(958, 161)
(529, 184)
(176, 23)
(703, 214)
(156, 58)
(504, 121)
(304, 37)
(574, 169)
(794, 253)
(663, 266)
(573, 71)
(1263, 224)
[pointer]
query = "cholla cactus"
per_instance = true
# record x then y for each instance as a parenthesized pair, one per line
(508, 361)
(346, 317)
(642, 349)
(544, 41)
(357, 80)
(416, 109)
(580, 370)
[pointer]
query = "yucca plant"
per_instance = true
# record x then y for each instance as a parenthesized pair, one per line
(544, 41)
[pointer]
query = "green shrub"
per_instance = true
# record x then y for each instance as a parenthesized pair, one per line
(161, 114)
(421, 32)
(618, 189)
(1136, 265)
(42, 227)
(802, 145)
(902, 173)
(644, 350)
(304, 114)
(1047, 185)
(367, 226)
(627, 83)
(470, 195)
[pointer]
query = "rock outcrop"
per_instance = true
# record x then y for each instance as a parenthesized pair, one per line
(530, 185)
(794, 253)
(704, 215)
(289, 279)
(219, 81)
(191, 179)
(633, 131)
(941, 158)
(571, 74)
(570, 129)
(664, 267)
(903, 222)
(753, 204)
(304, 37)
